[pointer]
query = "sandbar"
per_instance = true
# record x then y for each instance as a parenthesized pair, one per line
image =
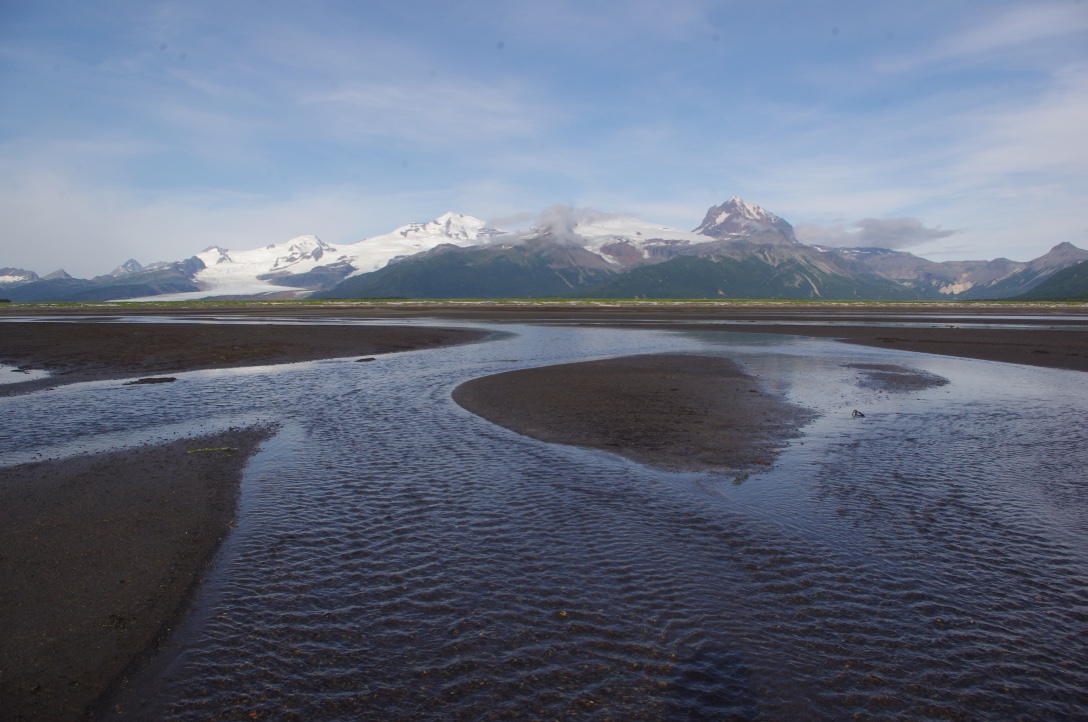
(100, 554)
(1050, 335)
(673, 411)
(90, 351)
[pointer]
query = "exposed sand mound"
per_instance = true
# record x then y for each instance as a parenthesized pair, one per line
(672, 411)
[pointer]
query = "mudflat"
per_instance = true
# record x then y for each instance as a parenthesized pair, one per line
(100, 555)
(1047, 335)
(89, 351)
(674, 411)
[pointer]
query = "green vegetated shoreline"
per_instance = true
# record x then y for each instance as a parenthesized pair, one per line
(138, 306)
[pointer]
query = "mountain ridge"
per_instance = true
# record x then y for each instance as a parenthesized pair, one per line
(739, 250)
(1067, 284)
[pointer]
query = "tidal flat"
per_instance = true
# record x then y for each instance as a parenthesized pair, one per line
(394, 555)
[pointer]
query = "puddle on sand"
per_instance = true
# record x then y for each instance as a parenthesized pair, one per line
(18, 374)
(398, 557)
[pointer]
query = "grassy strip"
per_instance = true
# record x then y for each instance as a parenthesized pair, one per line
(227, 450)
(181, 306)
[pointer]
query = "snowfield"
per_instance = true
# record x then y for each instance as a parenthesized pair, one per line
(245, 273)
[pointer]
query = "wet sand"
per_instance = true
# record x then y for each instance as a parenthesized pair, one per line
(100, 555)
(674, 411)
(92, 351)
(894, 378)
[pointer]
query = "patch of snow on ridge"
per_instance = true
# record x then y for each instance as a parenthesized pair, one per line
(213, 255)
(638, 233)
(748, 210)
(632, 229)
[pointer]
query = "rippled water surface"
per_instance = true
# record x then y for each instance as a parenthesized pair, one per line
(399, 558)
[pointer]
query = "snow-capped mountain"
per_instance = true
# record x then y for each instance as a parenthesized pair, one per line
(298, 266)
(12, 277)
(628, 241)
(15, 277)
(453, 228)
(739, 250)
(739, 217)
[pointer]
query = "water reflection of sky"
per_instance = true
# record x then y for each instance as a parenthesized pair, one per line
(1051, 324)
(14, 375)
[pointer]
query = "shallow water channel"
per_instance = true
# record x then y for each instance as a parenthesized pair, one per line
(397, 557)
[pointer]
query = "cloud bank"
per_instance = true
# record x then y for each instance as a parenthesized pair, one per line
(559, 220)
(894, 233)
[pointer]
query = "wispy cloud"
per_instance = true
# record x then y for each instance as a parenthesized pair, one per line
(1019, 26)
(451, 111)
(1047, 136)
(1011, 29)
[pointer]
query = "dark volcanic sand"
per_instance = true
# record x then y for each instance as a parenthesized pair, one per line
(98, 556)
(673, 411)
(76, 352)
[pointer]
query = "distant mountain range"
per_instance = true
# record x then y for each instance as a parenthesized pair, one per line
(1068, 284)
(739, 251)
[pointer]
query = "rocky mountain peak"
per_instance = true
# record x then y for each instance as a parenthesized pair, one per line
(738, 216)
(1060, 256)
(10, 277)
(1065, 247)
(449, 225)
(213, 255)
(129, 266)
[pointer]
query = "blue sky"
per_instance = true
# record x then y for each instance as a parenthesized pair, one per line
(952, 129)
